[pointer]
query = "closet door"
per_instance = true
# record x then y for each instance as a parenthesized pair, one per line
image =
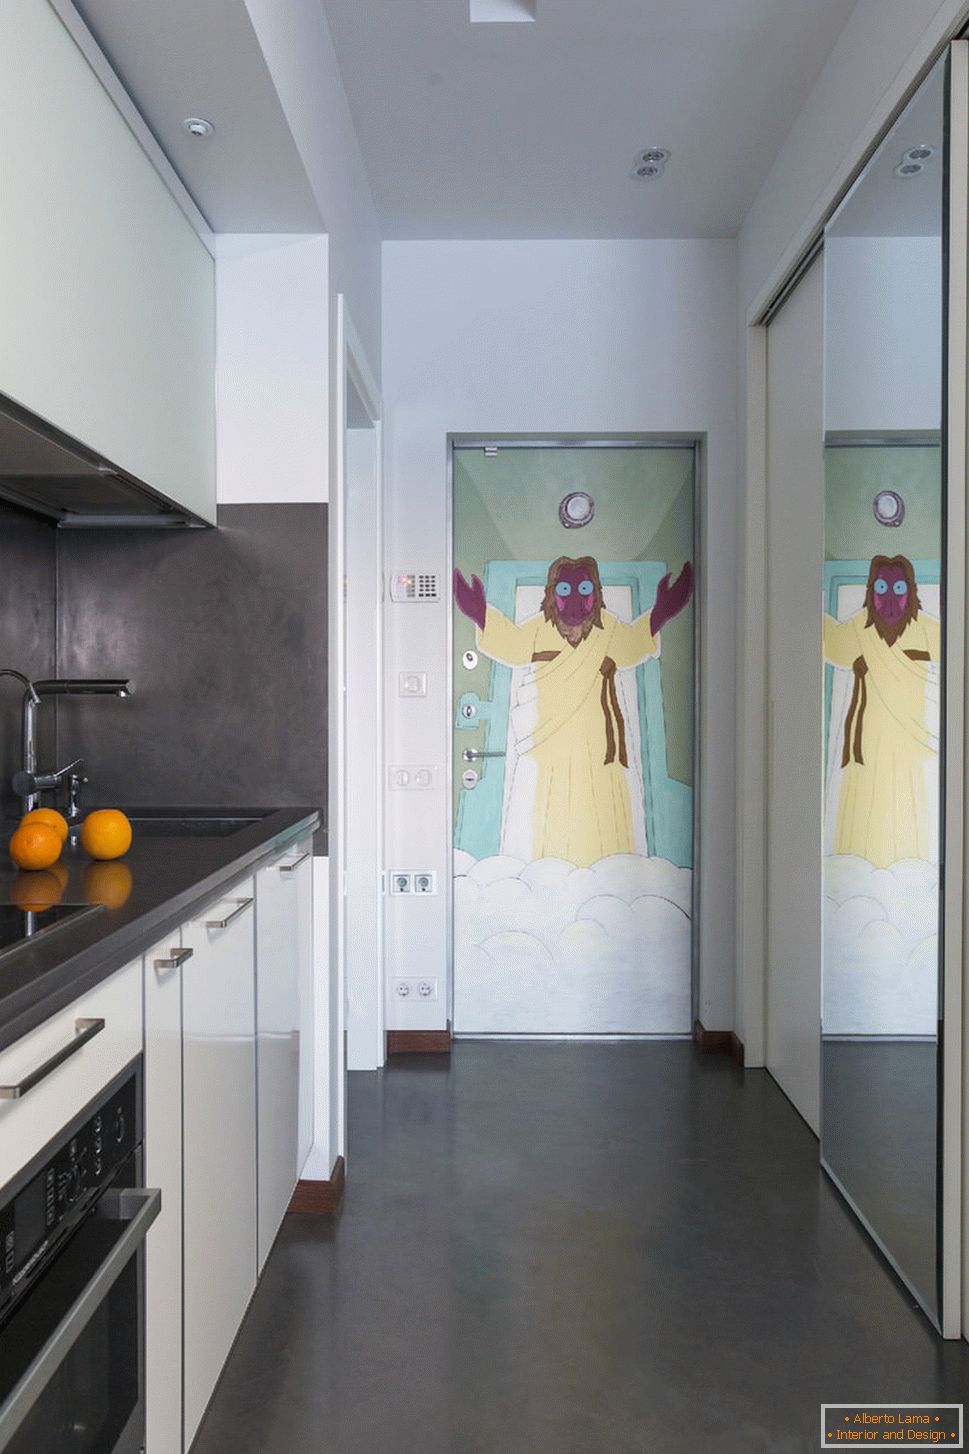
(795, 554)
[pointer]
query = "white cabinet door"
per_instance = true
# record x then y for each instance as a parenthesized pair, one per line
(283, 945)
(219, 1139)
(302, 879)
(163, 1168)
(103, 1032)
(109, 296)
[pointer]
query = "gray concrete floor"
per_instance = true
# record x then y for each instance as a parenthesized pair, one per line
(585, 1249)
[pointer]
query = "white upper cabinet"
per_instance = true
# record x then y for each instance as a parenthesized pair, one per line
(107, 294)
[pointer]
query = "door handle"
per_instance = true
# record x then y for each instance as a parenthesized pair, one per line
(84, 1030)
(471, 754)
(241, 906)
(175, 959)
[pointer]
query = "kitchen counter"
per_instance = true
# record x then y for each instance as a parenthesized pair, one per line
(169, 877)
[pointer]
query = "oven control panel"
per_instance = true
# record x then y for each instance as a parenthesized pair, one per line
(72, 1173)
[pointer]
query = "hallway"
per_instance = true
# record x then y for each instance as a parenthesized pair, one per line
(576, 1248)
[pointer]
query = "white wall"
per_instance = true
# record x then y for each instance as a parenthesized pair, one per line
(551, 338)
(295, 40)
(883, 334)
(272, 368)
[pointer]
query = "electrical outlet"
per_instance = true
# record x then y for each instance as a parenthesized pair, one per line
(415, 989)
(401, 883)
(425, 881)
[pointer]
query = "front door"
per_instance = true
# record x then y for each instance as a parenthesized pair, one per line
(573, 709)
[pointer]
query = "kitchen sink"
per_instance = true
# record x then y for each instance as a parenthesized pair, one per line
(188, 827)
(190, 823)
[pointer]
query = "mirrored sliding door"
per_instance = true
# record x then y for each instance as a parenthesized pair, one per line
(884, 689)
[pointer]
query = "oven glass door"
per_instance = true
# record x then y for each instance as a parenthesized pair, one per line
(72, 1355)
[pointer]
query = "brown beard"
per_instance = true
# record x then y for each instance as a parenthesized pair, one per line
(889, 631)
(575, 635)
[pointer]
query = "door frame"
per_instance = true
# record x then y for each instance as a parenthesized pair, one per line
(671, 440)
(352, 377)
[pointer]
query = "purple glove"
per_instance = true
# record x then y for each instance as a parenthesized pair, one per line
(670, 598)
(470, 598)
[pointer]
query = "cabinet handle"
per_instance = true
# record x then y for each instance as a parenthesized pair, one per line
(292, 867)
(84, 1030)
(176, 958)
(241, 905)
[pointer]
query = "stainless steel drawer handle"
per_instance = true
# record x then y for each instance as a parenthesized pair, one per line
(84, 1030)
(471, 754)
(292, 867)
(241, 905)
(176, 958)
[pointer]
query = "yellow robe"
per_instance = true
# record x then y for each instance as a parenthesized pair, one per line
(883, 804)
(564, 720)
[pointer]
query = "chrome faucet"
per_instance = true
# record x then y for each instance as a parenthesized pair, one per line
(29, 783)
(8, 671)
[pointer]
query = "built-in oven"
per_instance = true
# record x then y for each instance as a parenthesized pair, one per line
(72, 1229)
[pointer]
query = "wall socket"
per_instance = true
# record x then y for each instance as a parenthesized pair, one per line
(413, 881)
(410, 988)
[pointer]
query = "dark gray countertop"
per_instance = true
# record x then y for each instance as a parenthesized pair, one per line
(168, 878)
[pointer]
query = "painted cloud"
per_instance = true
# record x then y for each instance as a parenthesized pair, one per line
(547, 948)
(880, 947)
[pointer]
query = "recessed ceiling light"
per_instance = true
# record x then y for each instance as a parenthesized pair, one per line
(198, 126)
(650, 162)
(909, 169)
(921, 153)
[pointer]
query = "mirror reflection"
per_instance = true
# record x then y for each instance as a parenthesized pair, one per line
(883, 258)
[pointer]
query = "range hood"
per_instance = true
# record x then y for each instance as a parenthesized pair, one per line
(51, 474)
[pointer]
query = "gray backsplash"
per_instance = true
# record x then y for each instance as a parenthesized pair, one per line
(27, 599)
(224, 633)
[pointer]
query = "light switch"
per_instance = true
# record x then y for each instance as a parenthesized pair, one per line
(412, 684)
(411, 777)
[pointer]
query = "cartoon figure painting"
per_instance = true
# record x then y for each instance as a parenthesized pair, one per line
(567, 720)
(889, 746)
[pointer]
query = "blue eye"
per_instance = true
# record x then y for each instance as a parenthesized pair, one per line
(881, 587)
(563, 589)
(900, 588)
(586, 588)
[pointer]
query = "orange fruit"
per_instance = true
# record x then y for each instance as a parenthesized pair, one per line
(108, 884)
(106, 833)
(35, 890)
(35, 845)
(49, 816)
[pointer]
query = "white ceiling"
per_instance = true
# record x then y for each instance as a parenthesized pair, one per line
(179, 58)
(519, 131)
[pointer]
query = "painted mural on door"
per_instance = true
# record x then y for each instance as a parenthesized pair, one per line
(882, 648)
(573, 740)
